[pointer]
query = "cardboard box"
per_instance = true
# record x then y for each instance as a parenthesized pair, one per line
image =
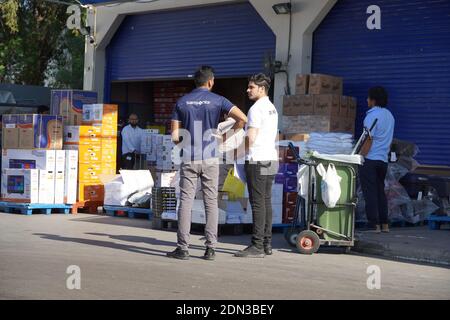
(60, 176)
(71, 176)
(90, 172)
(343, 109)
(20, 185)
(105, 115)
(10, 131)
(302, 84)
(46, 186)
(90, 153)
(109, 154)
(117, 192)
(347, 125)
(297, 137)
(288, 214)
(71, 135)
(108, 167)
(327, 104)
(10, 121)
(10, 138)
(91, 192)
(308, 124)
(28, 159)
(28, 124)
(168, 179)
(352, 107)
(69, 104)
(323, 84)
(49, 133)
(298, 105)
(119, 188)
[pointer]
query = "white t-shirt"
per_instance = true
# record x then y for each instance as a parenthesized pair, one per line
(131, 139)
(264, 116)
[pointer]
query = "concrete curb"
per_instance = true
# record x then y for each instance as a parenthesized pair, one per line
(402, 252)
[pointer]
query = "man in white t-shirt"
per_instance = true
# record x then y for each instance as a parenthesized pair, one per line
(261, 164)
(131, 143)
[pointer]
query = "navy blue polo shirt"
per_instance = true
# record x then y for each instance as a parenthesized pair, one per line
(199, 113)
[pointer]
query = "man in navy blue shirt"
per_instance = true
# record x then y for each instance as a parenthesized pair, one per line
(194, 122)
(373, 172)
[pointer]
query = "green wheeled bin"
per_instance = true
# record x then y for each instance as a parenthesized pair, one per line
(335, 226)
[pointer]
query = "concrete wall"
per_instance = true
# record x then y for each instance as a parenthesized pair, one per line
(306, 16)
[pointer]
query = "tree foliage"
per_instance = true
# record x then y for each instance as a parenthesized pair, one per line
(36, 48)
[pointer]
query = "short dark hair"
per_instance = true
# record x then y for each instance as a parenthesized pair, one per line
(261, 80)
(379, 95)
(202, 75)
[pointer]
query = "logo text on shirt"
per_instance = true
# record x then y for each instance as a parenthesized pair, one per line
(198, 103)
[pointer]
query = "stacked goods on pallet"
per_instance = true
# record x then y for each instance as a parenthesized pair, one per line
(318, 106)
(34, 168)
(96, 141)
(165, 96)
(287, 176)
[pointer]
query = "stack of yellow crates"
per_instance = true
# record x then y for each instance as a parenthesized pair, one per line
(98, 149)
(97, 145)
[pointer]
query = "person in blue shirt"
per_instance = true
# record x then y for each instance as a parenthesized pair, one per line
(194, 120)
(373, 172)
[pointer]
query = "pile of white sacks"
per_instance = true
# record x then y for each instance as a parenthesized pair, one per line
(330, 143)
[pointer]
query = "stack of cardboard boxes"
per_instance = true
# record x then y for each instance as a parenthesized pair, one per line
(287, 177)
(165, 96)
(34, 168)
(318, 106)
(96, 141)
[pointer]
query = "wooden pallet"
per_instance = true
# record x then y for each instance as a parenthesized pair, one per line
(86, 207)
(33, 208)
(114, 211)
(434, 222)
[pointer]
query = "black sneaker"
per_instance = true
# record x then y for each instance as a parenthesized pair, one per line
(210, 254)
(268, 249)
(179, 254)
(250, 252)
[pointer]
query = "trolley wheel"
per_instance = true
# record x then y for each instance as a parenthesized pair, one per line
(290, 234)
(308, 242)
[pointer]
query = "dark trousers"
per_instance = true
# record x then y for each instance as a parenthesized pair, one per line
(131, 161)
(260, 177)
(372, 175)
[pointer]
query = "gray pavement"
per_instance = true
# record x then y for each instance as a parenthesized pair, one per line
(121, 258)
